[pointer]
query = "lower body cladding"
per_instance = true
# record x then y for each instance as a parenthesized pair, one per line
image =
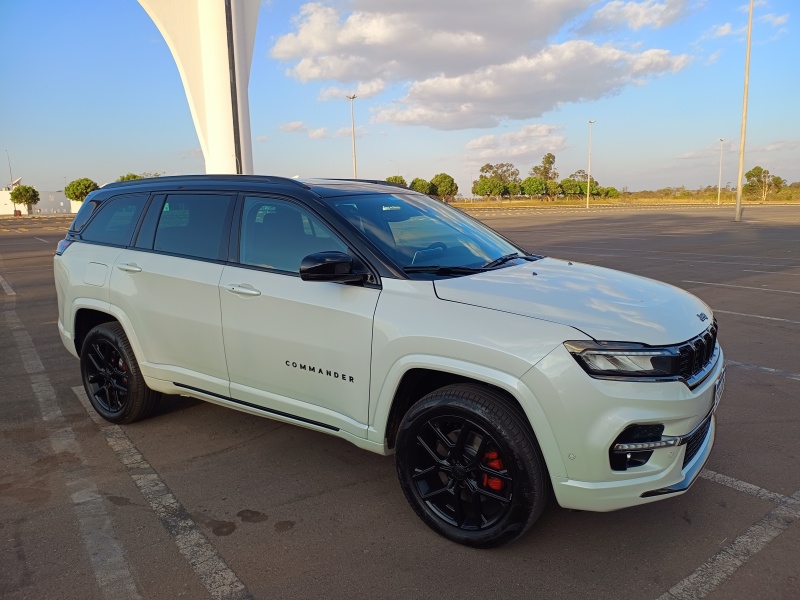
(622, 443)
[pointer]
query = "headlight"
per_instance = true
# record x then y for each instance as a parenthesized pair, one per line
(624, 360)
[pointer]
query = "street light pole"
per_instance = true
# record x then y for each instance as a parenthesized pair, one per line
(744, 117)
(353, 128)
(11, 181)
(589, 172)
(719, 183)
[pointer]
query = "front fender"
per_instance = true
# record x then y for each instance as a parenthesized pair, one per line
(381, 408)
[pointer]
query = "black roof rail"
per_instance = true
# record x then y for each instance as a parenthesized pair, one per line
(378, 181)
(264, 179)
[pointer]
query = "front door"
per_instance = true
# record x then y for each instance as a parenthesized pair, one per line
(297, 348)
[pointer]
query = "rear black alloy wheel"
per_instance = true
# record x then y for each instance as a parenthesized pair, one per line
(111, 376)
(470, 466)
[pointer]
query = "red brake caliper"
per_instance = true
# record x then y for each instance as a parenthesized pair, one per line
(492, 460)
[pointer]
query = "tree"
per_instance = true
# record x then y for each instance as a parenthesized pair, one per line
(762, 182)
(397, 179)
(80, 188)
(444, 186)
(553, 189)
(488, 186)
(128, 177)
(513, 188)
(534, 186)
(572, 187)
(423, 186)
(579, 175)
(547, 170)
(25, 194)
(503, 172)
(612, 192)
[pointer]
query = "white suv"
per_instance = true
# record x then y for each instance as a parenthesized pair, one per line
(389, 319)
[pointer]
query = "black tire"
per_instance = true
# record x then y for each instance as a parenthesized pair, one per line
(111, 376)
(470, 466)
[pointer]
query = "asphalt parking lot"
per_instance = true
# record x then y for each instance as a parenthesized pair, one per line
(202, 502)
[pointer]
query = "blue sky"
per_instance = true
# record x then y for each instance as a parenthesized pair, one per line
(89, 89)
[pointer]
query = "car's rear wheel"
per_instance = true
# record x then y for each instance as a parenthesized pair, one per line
(470, 466)
(111, 376)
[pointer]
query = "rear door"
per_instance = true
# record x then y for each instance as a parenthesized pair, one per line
(167, 286)
(298, 348)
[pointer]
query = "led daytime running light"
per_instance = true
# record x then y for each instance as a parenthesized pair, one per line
(640, 446)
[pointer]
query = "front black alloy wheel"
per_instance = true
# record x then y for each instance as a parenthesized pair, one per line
(470, 466)
(111, 376)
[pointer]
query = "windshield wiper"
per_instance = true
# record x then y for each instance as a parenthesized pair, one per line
(443, 270)
(504, 259)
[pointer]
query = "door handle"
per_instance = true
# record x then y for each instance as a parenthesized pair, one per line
(129, 267)
(242, 289)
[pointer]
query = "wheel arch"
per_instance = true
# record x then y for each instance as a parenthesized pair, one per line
(418, 379)
(88, 317)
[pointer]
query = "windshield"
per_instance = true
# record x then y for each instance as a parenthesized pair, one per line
(416, 231)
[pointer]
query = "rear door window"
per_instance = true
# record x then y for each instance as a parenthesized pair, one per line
(115, 220)
(195, 225)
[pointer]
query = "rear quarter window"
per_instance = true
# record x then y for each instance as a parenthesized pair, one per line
(114, 220)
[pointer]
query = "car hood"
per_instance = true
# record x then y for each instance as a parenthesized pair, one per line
(602, 303)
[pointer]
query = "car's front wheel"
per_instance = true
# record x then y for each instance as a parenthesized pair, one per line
(470, 466)
(111, 376)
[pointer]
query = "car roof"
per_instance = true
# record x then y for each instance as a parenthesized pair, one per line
(322, 187)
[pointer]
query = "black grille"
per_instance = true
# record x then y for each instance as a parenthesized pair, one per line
(695, 441)
(696, 353)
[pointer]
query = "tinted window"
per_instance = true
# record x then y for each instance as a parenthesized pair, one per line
(87, 208)
(416, 230)
(278, 235)
(115, 219)
(194, 225)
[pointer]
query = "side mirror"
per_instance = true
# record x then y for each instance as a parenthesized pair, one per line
(329, 266)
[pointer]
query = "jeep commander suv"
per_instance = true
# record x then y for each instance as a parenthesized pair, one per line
(387, 318)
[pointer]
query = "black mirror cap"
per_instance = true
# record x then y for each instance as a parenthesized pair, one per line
(329, 266)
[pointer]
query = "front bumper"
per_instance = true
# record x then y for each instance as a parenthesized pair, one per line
(587, 415)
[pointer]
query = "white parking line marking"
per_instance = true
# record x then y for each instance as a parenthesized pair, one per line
(6, 288)
(661, 258)
(724, 563)
(743, 486)
(728, 312)
(741, 287)
(105, 553)
(770, 272)
(749, 256)
(217, 577)
(768, 370)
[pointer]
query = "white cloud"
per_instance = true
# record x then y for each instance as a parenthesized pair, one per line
(397, 40)
(301, 127)
(528, 86)
(465, 65)
(366, 89)
(262, 138)
(526, 144)
(347, 132)
(746, 7)
(775, 20)
(294, 126)
(637, 15)
(723, 30)
(714, 57)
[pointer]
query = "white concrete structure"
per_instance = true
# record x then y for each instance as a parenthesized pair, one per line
(6, 208)
(212, 44)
